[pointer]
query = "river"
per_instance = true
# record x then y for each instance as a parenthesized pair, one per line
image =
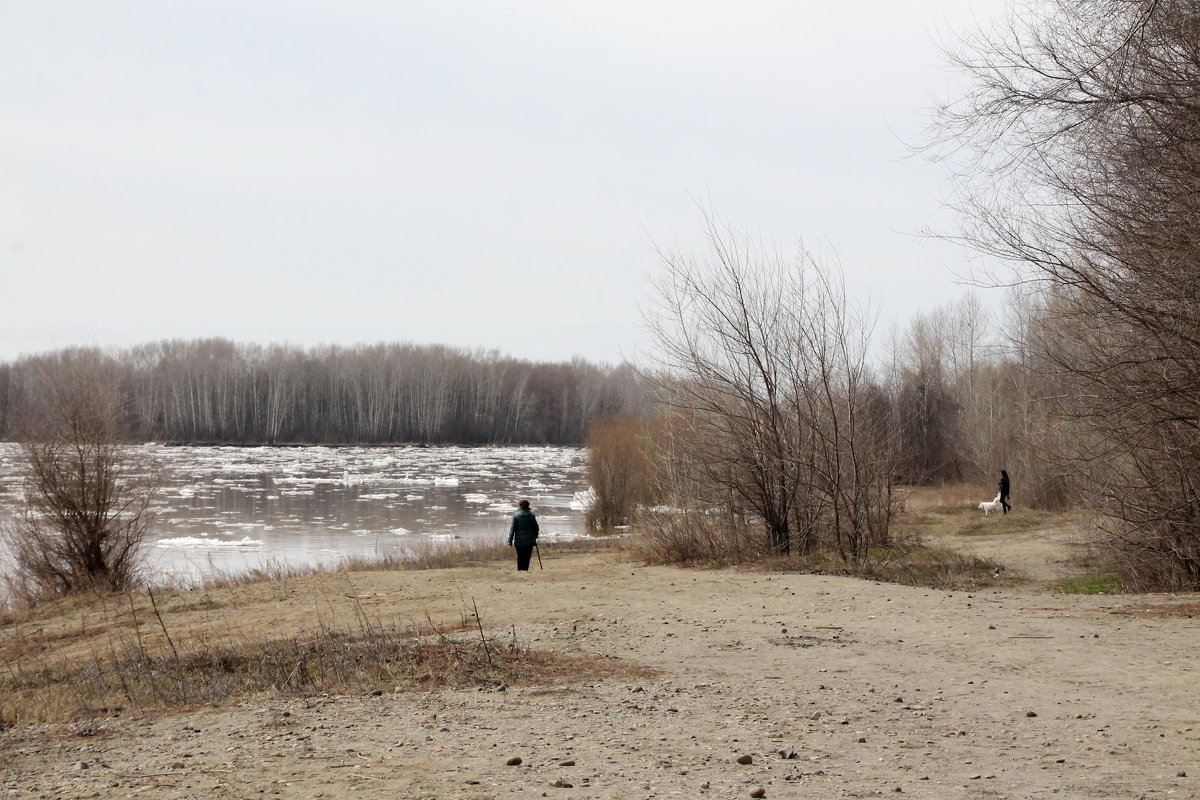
(237, 508)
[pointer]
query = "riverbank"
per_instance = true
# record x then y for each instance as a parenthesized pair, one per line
(833, 687)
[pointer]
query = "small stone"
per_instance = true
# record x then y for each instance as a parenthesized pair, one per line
(561, 784)
(991, 627)
(898, 700)
(976, 777)
(1031, 713)
(515, 761)
(862, 740)
(705, 785)
(758, 791)
(177, 765)
(746, 759)
(1181, 774)
(788, 754)
(376, 692)
(568, 763)
(1060, 761)
(81, 765)
(472, 782)
(286, 714)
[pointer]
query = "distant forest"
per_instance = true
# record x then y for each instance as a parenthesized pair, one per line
(214, 390)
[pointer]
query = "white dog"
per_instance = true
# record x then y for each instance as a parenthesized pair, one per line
(988, 506)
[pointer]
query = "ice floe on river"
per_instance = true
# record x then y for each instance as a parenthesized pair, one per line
(300, 504)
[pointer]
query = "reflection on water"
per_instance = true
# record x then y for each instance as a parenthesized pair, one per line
(230, 508)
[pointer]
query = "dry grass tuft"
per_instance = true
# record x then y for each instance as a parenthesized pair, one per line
(947, 498)
(129, 674)
(1162, 611)
(909, 563)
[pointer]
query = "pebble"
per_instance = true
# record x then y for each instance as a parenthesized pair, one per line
(567, 763)
(758, 791)
(746, 759)
(515, 761)
(862, 740)
(1181, 774)
(177, 765)
(81, 765)
(1031, 713)
(561, 784)
(376, 692)
(788, 753)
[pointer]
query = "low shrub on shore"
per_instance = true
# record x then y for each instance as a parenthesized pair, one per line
(706, 539)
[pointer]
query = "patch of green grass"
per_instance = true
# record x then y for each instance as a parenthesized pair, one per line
(1105, 583)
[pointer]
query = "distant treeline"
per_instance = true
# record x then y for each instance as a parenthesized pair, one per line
(214, 390)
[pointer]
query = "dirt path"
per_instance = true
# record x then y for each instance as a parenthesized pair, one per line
(874, 689)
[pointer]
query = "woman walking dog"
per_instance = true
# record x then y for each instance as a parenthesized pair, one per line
(523, 534)
(1004, 487)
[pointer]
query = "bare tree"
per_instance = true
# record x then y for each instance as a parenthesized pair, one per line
(763, 362)
(86, 494)
(1077, 149)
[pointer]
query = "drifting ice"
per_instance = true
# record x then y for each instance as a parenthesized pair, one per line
(194, 541)
(583, 501)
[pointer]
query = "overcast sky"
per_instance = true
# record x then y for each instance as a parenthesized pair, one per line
(485, 174)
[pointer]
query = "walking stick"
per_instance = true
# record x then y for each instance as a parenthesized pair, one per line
(539, 555)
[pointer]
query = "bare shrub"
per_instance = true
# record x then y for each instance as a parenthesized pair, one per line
(688, 536)
(87, 494)
(620, 469)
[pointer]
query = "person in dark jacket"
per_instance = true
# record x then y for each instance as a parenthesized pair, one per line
(523, 534)
(1004, 487)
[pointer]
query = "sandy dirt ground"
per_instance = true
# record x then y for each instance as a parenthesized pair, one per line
(830, 687)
